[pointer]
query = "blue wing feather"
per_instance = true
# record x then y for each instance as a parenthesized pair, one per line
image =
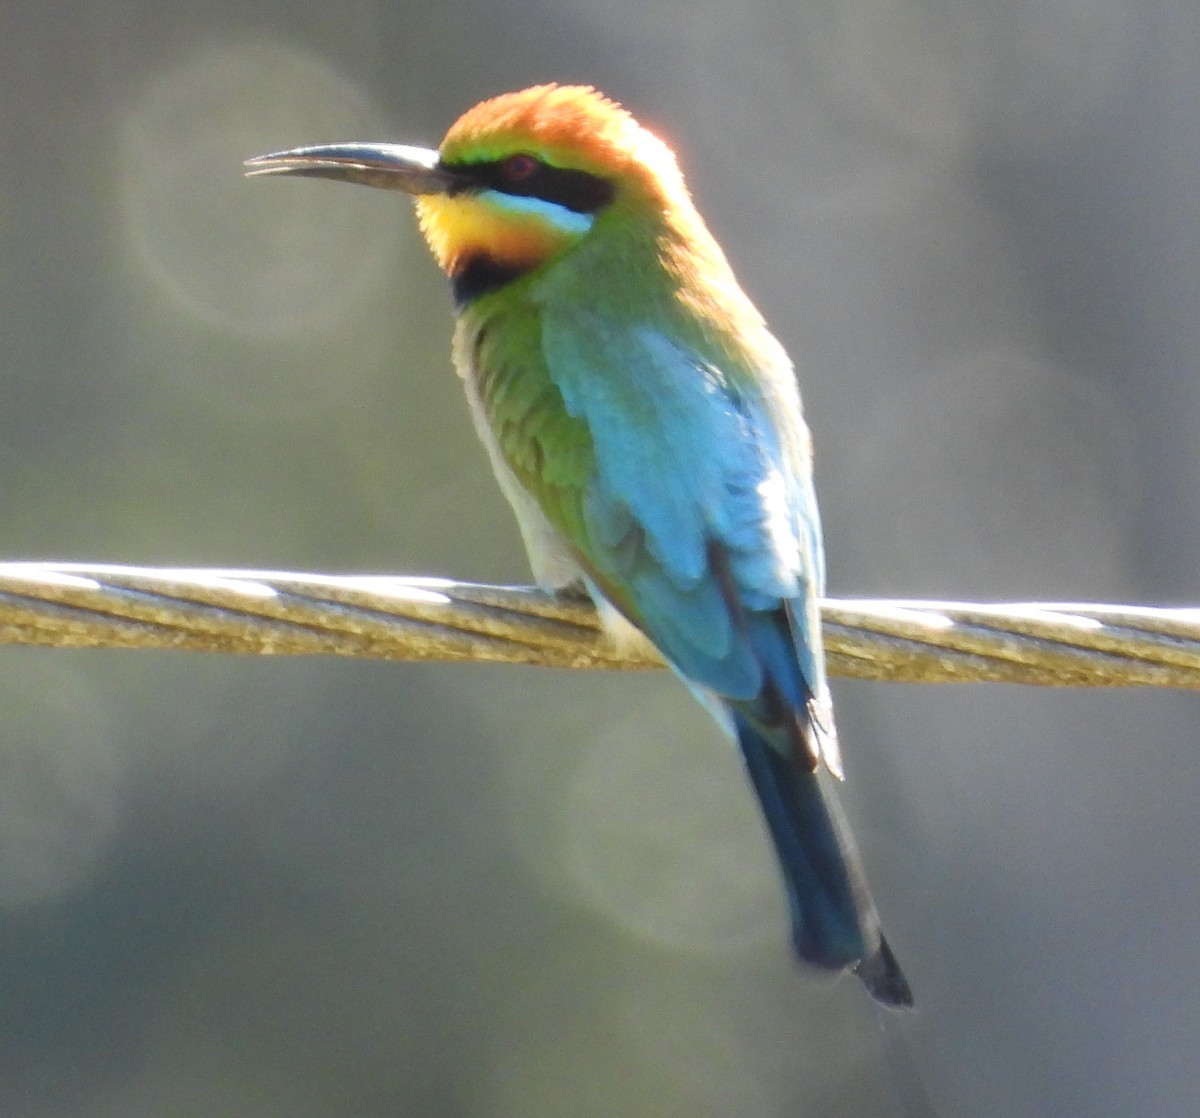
(686, 460)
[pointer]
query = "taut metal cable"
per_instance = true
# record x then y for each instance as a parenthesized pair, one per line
(71, 605)
(78, 605)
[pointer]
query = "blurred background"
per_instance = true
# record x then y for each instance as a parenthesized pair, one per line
(345, 890)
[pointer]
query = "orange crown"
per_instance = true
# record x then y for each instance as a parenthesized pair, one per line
(567, 126)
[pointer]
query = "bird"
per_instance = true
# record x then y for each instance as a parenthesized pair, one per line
(647, 429)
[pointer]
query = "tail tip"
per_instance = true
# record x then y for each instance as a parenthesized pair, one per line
(884, 980)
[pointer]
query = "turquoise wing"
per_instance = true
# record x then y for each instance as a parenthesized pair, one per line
(698, 520)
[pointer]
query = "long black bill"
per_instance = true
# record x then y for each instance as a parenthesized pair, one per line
(390, 166)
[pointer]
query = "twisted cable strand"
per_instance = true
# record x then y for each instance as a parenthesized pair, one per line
(394, 618)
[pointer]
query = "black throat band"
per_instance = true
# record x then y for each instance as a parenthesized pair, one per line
(481, 275)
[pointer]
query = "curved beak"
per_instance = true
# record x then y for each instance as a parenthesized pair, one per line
(390, 166)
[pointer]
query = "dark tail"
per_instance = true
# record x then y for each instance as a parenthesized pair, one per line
(834, 925)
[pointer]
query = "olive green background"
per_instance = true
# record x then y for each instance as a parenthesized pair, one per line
(313, 889)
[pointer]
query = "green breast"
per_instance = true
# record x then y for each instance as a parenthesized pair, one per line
(548, 450)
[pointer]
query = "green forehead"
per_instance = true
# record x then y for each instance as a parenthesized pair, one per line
(494, 149)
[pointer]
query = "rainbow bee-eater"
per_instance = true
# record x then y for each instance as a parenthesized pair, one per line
(647, 430)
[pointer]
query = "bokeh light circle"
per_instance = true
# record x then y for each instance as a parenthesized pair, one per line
(662, 836)
(252, 258)
(61, 780)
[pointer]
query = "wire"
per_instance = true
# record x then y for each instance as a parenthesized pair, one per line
(77, 605)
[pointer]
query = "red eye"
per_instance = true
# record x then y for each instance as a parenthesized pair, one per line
(518, 167)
